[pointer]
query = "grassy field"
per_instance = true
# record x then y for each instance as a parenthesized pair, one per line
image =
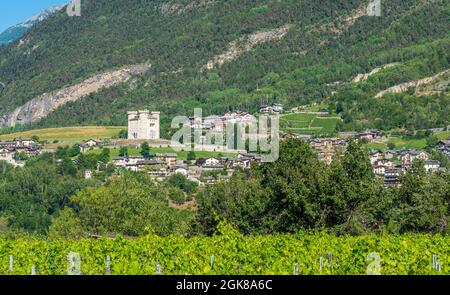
(180, 155)
(67, 135)
(407, 143)
(310, 124)
(328, 125)
(71, 135)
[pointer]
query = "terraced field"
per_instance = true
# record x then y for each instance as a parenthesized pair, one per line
(309, 124)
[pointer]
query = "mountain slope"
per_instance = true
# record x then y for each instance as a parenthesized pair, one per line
(18, 30)
(324, 42)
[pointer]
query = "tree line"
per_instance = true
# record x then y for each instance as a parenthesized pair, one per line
(297, 192)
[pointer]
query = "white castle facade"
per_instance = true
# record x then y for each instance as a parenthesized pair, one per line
(143, 125)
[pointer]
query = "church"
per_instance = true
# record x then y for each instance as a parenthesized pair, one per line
(143, 125)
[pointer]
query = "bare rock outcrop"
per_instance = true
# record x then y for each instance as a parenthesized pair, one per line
(173, 7)
(363, 77)
(423, 87)
(41, 106)
(245, 44)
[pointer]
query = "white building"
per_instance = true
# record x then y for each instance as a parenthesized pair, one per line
(87, 174)
(277, 108)
(431, 165)
(181, 170)
(93, 143)
(6, 154)
(212, 162)
(143, 125)
(407, 157)
(25, 143)
(379, 170)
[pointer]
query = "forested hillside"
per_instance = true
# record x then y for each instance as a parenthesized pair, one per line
(320, 48)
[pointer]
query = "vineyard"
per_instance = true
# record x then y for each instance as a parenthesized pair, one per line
(232, 253)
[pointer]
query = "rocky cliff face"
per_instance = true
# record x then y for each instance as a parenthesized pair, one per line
(41, 106)
(423, 87)
(363, 77)
(245, 44)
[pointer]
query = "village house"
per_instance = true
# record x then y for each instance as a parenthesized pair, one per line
(380, 165)
(249, 156)
(238, 117)
(184, 170)
(431, 165)
(401, 168)
(379, 170)
(135, 164)
(328, 143)
(327, 157)
(391, 177)
(25, 143)
(124, 161)
(87, 174)
(20, 143)
(444, 147)
(408, 156)
(170, 158)
(93, 143)
(320, 144)
(8, 144)
(6, 154)
(390, 154)
(328, 148)
(9, 149)
(207, 162)
(241, 163)
(369, 135)
(30, 151)
(218, 123)
(154, 168)
(215, 123)
(275, 108)
(384, 162)
(375, 155)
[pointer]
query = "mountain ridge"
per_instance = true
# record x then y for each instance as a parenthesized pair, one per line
(16, 31)
(327, 42)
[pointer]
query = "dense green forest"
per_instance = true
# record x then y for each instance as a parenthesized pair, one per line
(323, 46)
(49, 196)
(53, 185)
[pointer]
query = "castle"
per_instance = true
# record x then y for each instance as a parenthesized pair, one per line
(143, 125)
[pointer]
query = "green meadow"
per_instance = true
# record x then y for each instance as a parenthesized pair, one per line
(309, 124)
